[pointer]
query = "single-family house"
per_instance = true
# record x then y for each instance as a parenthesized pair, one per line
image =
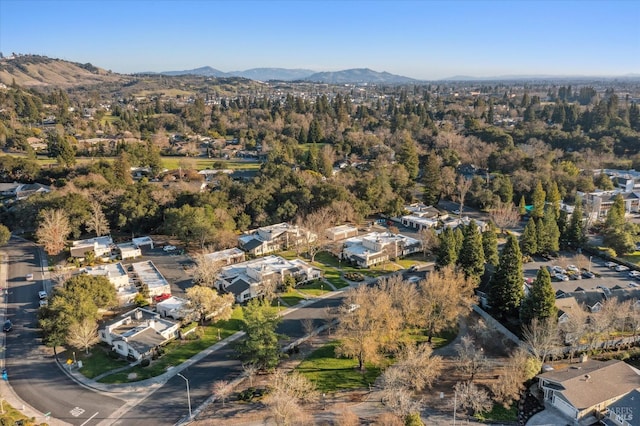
(100, 246)
(378, 247)
(566, 306)
(247, 280)
(137, 333)
(341, 232)
(128, 251)
(226, 257)
(173, 307)
(587, 389)
(624, 412)
(142, 242)
(273, 238)
(147, 273)
(116, 274)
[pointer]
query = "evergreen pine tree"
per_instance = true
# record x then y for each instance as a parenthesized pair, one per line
(471, 258)
(522, 207)
(551, 240)
(529, 239)
(431, 180)
(541, 301)
(575, 230)
(506, 292)
(447, 254)
(458, 238)
(554, 198)
(490, 245)
(538, 200)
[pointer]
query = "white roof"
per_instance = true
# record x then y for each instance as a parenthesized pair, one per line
(109, 270)
(149, 274)
(223, 254)
(104, 241)
(173, 303)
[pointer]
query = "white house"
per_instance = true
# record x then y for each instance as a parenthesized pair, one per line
(128, 251)
(226, 257)
(273, 238)
(585, 390)
(173, 307)
(116, 274)
(378, 247)
(138, 332)
(147, 273)
(100, 246)
(247, 280)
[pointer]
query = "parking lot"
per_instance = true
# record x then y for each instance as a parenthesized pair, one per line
(173, 265)
(604, 276)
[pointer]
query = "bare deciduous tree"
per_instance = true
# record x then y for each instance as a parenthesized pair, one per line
(97, 221)
(519, 368)
(83, 335)
(541, 337)
(573, 328)
(307, 325)
(404, 298)
(462, 187)
(367, 332)
(505, 215)
(443, 297)
(470, 397)
(288, 392)
(429, 240)
(417, 368)
(249, 371)
(388, 419)
(347, 418)
(314, 226)
(222, 389)
(206, 270)
(471, 359)
(53, 230)
(401, 402)
(207, 302)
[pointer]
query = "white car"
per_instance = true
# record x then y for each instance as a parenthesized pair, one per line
(42, 295)
(562, 277)
(43, 303)
(634, 274)
(610, 264)
(632, 284)
(29, 277)
(169, 248)
(573, 268)
(622, 268)
(559, 270)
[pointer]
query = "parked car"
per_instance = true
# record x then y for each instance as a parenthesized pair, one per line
(559, 270)
(610, 264)
(573, 268)
(161, 297)
(632, 284)
(562, 277)
(29, 277)
(43, 303)
(169, 248)
(634, 274)
(622, 268)
(588, 274)
(42, 294)
(604, 289)
(8, 326)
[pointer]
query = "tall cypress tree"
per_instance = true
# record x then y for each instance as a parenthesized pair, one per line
(447, 254)
(490, 245)
(541, 301)
(538, 199)
(431, 180)
(506, 292)
(529, 239)
(554, 198)
(550, 229)
(471, 258)
(575, 230)
(522, 207)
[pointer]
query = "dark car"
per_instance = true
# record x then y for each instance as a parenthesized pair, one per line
(588, 274)
(7, 326)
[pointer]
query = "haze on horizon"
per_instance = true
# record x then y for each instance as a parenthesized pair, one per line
(420, 39)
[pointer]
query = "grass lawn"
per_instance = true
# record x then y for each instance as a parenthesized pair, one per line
(97, 362)
(333, 374)
(173, 163)
(499, 414)
(632, 258)
(291, 298)
(179, 351)
(314, 288)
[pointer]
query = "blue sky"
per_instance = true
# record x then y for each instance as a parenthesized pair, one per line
(419, 39)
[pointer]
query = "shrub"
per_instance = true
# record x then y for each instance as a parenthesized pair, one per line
(145, 362)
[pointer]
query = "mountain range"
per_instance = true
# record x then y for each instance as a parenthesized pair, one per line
(355, 75)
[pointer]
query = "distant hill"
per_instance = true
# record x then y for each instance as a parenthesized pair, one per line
(266, 74)
(359, 75)
(35, 70)
(203, 71)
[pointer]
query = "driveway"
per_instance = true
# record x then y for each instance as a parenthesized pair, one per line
(549, 417)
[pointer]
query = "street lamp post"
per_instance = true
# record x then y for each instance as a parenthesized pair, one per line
(455, 403)
(590, 263)
(188, 394)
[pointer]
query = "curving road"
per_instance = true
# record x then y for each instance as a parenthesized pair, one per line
(32, 369)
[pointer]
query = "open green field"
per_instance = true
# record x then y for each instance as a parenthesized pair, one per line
(333, 374)
(173, 163)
